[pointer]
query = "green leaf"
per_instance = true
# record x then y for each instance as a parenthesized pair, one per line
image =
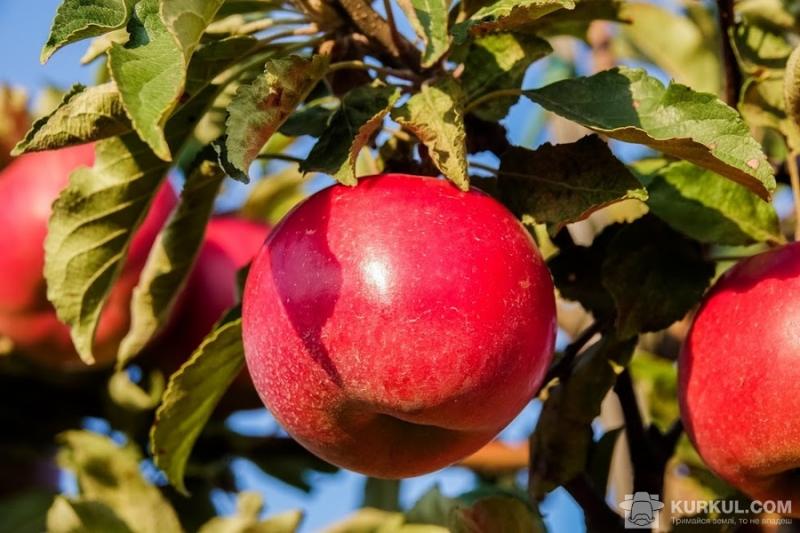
(260, 108)
(110, 475)
(654, 274)
(707, 207)
(496, 513)
(499, 61)
(80, 19)
(84, 115)
(562, 439)
(656, 381)
(631, 106)
(577, 276)
(673, 42)
(171, 259)
(78, 516)
(507, 14)
(433, 508)
(429, 20)
(246, 520)
(575, 22)
(350, 128)
(150, 69)
(435, 115)
(564, 183)
(763, 105)
(191, 396)
(309, 121)
(94, 218)
(791, 94)
(760, 52)
(131, 396)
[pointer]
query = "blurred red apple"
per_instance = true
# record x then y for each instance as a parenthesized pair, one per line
(739, 392)
(28, 188)
(396, 327)
(211, 290)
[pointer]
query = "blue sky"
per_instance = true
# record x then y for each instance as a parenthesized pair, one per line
(24, 26)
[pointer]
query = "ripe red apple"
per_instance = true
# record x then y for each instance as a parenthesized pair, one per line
(396, 327)
(28, 188)
(739, 385)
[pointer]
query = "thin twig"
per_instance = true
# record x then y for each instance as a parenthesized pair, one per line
(281, 157)
(794, 178)
(562, 367)
(500, 93)
(733, 76)
(481, 166)
(360, 65)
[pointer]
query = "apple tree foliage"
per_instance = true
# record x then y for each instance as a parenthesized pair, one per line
(638, 190)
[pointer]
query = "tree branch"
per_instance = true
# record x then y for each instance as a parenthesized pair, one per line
(733, 76)
(598, 515)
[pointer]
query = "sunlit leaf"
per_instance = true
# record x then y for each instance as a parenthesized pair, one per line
(629, 105)
(709, 208)
(507, 14)
(429, 19)
(78, 516)
(260, 108)
(171, 259)
(80, 19)
(110, 474)
(435, 115)
(246, 520)
(84, 115)
(191, 396)
(150, 69)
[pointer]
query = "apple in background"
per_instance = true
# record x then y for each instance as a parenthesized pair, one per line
(396, 327)
(739, 377)
(230, 244)
(28, 188)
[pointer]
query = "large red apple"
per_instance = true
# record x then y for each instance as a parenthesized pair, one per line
(396, 327)
(28, 188)
(740, 377)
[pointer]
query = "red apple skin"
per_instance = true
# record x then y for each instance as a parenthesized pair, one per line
(396, 327)
(739, 377)
(28, 188)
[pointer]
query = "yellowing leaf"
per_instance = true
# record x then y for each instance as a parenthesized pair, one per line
(84, 115)
(507, 15)
(435, 115)
(260, 108)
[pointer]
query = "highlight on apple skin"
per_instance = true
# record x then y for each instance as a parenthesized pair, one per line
(28, 188)
(739, 374)
(395, 327)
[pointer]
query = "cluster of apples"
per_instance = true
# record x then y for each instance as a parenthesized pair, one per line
(395, 327)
